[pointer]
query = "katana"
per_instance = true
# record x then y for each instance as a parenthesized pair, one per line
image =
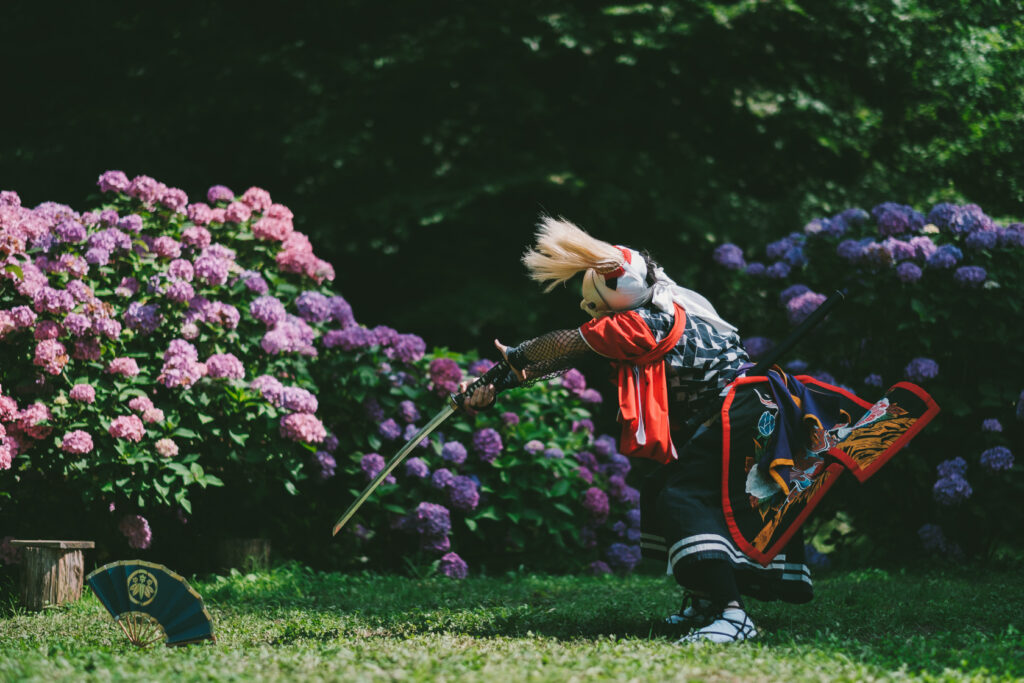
(501, 376)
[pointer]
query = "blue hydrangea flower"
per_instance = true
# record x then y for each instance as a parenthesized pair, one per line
(997, 459)
(873, 380)
(991, 425)
(932, 538)
(921, 369)
(908, 272)
(946, 256)
(970, 276)
(622, 557)
(953, 467)
(729, 256)
(951, 490)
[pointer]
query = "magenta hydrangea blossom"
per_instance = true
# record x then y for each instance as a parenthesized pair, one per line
(128, 427)
(595, 502)
(78, 442)
(136, 529)
(303, 427)
(453, 566)
(445, 375)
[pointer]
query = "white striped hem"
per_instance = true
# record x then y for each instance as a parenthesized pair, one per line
(691, 545)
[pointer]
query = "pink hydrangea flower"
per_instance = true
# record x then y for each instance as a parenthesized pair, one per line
(166, 447)
(140, 404)
(197, 236)
(31, 421)
(166, 247)
(77, 442)
(126, 367)
(303, 427)
(128, 427)
(47, 329)
(136, 529)
(83, 392)
(257, 199)
(224, 365)
(51, 356)
(237, 212)
(153, 415)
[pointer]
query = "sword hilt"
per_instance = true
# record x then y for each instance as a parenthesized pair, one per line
(501, 376)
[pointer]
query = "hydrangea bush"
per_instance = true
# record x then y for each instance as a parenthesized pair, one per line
(934, 298)
(179, 369)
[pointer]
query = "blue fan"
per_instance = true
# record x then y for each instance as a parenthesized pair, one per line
(151, 603)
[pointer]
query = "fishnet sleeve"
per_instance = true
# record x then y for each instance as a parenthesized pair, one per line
(549, 355)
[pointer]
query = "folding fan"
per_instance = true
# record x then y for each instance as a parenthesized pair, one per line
(150, 602)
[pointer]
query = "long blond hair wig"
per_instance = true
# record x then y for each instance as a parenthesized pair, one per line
(563, 249)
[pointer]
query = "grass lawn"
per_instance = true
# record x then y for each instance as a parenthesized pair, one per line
(291, 623)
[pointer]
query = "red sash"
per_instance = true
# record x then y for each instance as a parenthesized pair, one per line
(642, 385)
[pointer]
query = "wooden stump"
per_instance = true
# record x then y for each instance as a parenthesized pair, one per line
(245, 554)
(51, 572)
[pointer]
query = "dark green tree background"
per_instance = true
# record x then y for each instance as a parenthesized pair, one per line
(417, 142)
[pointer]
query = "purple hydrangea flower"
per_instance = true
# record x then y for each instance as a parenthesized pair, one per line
(968, 218)
(945, 256)
(970, 276)
(587, 459)
(574, 381)
(729, 256)
(509, 419)
(224, 365)
(325, 461)
(598, 568)
(801, 306)
(778, 270)
(373, 464)
(997, 459)
(433, 520)
(417, 467)
(791, 292)
(953, 467)
(595, 502)
(298, 400)
(923, 247)
(313, 307)
(797, 366)
(410, 432)
(921, 369)
(463, 493)
(479, 367)
(754, 269)
(757, 346)
(113, 181)
(407, 348)
(591, 396)
(142, 318)
(453, 452)
(908, 272)
(349, 338)
(553, 453)
(487, 444)
(777, 249)
(389, 429)
(951, 490)
(441, 478)
(445, 374)
(585, 425)
(605, 446)
(941, 215)
(991, 425)
(408, 411)
(622, 557)
(533, 446)
(633, 518)
(341, 311)
(982, 239)
(453, 566)
(268, 310)
(219, 193)
(894, 219)
(850, 250)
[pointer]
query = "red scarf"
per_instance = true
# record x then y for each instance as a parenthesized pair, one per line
(643, 387)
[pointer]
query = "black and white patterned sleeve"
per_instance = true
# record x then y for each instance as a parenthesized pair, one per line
(549, 355)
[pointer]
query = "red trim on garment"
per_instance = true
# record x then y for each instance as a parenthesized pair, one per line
(833, 471)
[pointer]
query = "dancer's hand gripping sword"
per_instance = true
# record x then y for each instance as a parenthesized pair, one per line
(501, 376)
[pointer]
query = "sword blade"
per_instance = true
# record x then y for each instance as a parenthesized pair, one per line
(392, 464)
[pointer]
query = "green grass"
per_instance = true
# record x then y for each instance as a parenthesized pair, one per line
(295, 624)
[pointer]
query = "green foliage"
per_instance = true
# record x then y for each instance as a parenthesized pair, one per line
(404, 129)
(292, 622)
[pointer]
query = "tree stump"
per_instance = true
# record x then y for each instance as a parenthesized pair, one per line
(245, 554)
(51, 572)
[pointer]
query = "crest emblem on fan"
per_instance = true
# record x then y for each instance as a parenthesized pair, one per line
(151, 603)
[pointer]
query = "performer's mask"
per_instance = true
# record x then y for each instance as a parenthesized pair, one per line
(619, 290)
